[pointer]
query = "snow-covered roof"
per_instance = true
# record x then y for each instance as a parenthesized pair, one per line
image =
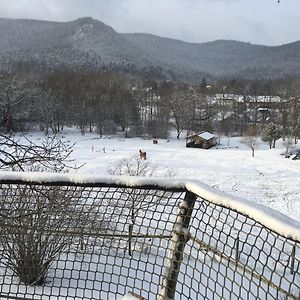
(267, 216)
(249, 98)
(206, 135)
(223, 116)
(203, 134)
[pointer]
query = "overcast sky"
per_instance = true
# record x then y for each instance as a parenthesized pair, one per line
(257, 21)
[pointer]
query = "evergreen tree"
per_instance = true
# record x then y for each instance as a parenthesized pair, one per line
(271, 134)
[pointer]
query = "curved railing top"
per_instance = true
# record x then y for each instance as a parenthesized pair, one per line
(270, 218)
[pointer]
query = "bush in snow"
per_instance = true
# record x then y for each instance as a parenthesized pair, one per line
(27, 214)
(270, 134)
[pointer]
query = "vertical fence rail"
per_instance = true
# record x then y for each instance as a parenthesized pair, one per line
(176, 249)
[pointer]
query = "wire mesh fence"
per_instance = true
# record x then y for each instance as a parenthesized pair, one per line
(98, 241)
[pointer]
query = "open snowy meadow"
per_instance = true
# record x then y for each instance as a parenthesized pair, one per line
(269, 178)
(213, 267)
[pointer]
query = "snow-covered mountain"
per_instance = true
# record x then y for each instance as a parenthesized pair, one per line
(89, 43)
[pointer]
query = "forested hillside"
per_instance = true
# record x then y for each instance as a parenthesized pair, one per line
(90, 44)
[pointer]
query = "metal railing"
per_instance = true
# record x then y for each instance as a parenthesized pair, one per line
(79, 237)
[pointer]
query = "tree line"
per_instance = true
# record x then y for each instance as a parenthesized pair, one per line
(108, 102)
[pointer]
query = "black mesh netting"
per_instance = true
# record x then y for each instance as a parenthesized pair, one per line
(66, 242)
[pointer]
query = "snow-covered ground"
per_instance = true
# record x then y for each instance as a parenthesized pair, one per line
(268, 178)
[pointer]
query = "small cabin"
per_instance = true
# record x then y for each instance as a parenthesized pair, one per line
(203, 139)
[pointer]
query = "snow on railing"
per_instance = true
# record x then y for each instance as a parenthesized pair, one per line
(87, 237)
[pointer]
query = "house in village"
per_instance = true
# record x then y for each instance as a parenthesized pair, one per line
(203, 139)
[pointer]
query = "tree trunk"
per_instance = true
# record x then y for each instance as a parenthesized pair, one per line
(178, 134)
(130, 229)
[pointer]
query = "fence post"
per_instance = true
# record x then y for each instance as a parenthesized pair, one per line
(237, 250)
(178, 241)
(293, 259)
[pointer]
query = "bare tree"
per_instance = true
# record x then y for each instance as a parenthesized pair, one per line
(294, 117)
(288, 143)
(283, 92)
(50, 113)
(15, 102)
(180, 103)
(51, 154)
(250, 138)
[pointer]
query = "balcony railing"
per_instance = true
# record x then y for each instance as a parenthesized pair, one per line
(82, 237)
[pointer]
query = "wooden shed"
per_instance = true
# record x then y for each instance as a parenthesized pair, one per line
(203, 139)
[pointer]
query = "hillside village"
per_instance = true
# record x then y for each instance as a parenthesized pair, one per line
(109, 103)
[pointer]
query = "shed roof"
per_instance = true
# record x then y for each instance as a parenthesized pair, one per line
(203, 134)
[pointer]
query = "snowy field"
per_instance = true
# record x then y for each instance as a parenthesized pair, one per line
(268, 178)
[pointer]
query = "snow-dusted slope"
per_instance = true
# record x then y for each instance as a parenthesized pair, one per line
(83, 41)
(222, 58)
(91, 43)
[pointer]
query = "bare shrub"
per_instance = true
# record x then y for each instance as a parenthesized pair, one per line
(33, 218)
(133, 166)
(137, 200)
(33, 221)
